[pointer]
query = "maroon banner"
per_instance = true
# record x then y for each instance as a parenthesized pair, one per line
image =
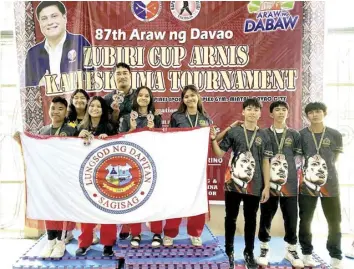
(229, 50)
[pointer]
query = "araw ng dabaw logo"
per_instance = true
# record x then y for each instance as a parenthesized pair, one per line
(146, 10)
(118, 177)
(270, 16)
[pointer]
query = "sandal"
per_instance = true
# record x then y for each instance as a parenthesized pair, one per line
(156, 241)
(135, 241)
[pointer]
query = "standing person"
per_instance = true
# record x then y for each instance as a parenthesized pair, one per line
(321, 146)
(120, 103)
(120, 100)
(286, 145)
(248, 178)
(190, 113)
(143, 115)
(76, 113)
(96, 123)
(60, 51)
(55, 247)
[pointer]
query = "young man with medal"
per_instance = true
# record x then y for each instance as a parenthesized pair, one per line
(247, 179)
(190, 113)
(321, 146)
(286, 144)
(55, 247)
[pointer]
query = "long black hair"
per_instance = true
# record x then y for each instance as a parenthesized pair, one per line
(182, 106)
(86, 122)
(151, 105)
(72, 114)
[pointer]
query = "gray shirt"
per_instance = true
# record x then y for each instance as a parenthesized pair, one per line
(320, 176)
(291, 148)
(243, 164)
(65, 130)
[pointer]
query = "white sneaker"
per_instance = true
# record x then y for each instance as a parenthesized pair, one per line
(69, 237)
(58, 250)
(292, 256)
(263, 258)
(350, 253)
(48, 249)
(167, 241)
(309, 261)
(336, 263)
(196, 241)
(95, 239)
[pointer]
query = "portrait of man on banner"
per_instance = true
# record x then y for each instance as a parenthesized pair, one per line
(315, 175)
(243, 166)
(60, 51)
(278, 174)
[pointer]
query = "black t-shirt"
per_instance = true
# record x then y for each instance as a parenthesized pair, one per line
(141, 122)
(245, 174)
(320, 177)
(125, 107)
(102, 128)
(288, 186)
(180, 120)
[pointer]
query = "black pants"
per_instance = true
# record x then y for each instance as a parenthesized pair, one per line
(332, 211)
(289, 209)
(55, 234)
(250, 208)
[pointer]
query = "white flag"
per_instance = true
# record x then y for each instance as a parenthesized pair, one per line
(138, 177)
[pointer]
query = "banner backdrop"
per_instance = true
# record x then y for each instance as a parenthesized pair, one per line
(229, 50)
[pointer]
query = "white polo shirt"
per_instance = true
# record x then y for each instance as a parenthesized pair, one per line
(55, 55)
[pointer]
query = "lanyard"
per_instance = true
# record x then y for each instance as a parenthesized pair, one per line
(250, 143)
(318, 146)
(57, 132)
(190, 121)
(282, 140)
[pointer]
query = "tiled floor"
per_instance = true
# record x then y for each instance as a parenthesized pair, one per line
(12, 249)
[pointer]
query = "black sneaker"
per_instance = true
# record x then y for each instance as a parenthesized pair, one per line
(124, 236)
(107, 251)
(81, 251)
(231, 259)
(250, 262)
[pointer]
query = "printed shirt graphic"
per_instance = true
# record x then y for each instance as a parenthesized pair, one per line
(244, 164)
(320, 176)
(291, 148)
(180, 120)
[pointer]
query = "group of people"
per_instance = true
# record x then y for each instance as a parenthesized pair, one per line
(121, 111)
(263, 169)
(267, 167)
(279, 165)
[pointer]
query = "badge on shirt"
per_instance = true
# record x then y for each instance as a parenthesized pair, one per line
(202, 123)
(258, 141)
(326, 142)
(288, 142)
(72, 56)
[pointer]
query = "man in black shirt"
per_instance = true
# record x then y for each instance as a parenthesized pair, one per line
(321, 146)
